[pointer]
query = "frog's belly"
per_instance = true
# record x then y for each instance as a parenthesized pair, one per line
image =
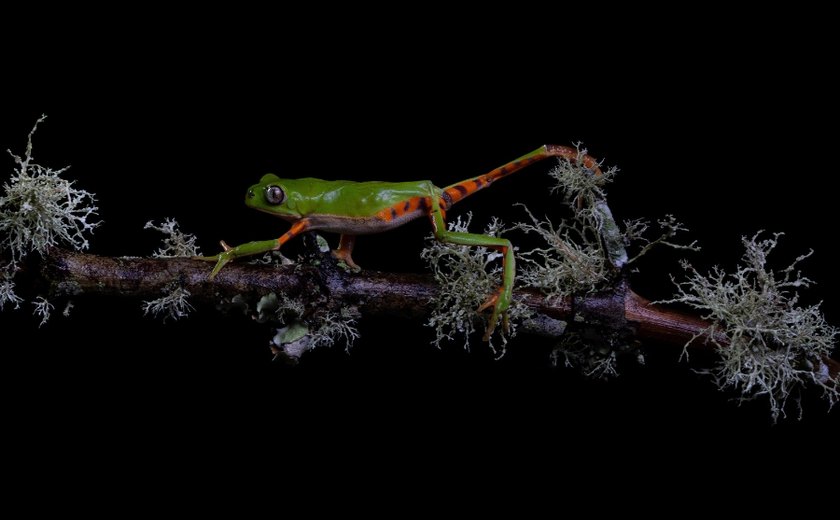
(362, 225)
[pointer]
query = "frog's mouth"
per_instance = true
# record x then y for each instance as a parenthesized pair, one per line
(287, 218)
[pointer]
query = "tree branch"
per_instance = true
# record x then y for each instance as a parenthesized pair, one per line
(373, 293)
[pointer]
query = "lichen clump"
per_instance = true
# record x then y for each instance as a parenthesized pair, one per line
(769, 345)
(7, 292)
(174, 304)
(304, 329)
(581, 253)
(176, 243)
(586, 252)
(43, 308)
(467, 275)
(39, 209)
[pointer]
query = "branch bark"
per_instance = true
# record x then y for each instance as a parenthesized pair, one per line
(373, 293)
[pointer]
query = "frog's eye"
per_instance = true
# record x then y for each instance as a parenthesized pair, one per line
(275, 195)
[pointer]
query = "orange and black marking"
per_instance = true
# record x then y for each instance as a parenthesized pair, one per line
(461, 190)
(449, 196)
(406, 210)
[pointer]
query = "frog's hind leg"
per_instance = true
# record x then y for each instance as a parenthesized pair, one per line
(345, 251)
(498, 302)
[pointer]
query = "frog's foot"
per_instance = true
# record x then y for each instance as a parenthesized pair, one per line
(214, 258)
(345, 256)
(221, 259)
(500, 303)
(345, 251)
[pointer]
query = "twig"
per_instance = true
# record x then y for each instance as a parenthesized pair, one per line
(373, 293)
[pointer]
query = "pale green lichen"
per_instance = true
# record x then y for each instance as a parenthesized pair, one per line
(604, 367)
(636, 235)
(573, 260)
(595, 353)
(579, 184)
(769, 345)
(7, 292)
(335, 327)
(279, 308)
(303, 330)
(322, 329)
(594, 359)
(581, 253)
(274, 258)
(321, 242)
(467, 275)
(39, 209)
(584, 253)
(292, 340)
(43, 308)
(176, 243)
(173, 304)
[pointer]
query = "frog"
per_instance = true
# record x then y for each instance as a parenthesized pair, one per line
(353, 208)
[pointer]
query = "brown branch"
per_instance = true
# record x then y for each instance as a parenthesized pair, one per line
(373, 293)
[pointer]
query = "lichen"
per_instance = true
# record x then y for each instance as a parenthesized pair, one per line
(7, 292)
(596, 354)
(43, 308)
(336, 327)
(281, 308)
(584, 253)
(636, 235)
(305, 327)
(173, 304)
(467, 276)
(176, 243)
(581, 253)
(274, 258)
(573, 260)
(769, 345)
(302, 331)
(39, 209)
(579, 184)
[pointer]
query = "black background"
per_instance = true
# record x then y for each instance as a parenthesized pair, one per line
(158, 124)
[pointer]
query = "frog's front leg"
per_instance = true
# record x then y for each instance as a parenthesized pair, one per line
(254, 248)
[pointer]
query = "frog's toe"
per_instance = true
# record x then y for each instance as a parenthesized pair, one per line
(500, 303)
(344, 256)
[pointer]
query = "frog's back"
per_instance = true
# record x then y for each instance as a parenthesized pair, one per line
(354, 199)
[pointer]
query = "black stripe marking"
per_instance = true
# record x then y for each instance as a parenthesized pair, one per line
(462, 190)
(447, 199)
(407, 206)
(393, 213)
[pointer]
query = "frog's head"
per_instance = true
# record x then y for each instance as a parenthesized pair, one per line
(272, 195)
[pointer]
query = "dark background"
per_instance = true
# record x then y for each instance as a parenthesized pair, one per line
(731, 141)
